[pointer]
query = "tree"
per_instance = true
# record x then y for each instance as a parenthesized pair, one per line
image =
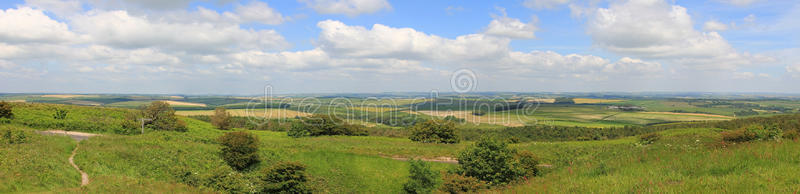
(239, 149)
(162, 117)
(433, 131)
(318, 125)
(221, 118)
(490, 160)
(60, 114)
(421, 178)
(285, 177)
(5, 110)
(564, 100)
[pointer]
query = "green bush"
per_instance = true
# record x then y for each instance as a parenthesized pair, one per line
(60, 114)
(221, 119)
(752, 133)
(479, 112)
(10, 136)
(457, 183)
(227, 181)
(239, 149)
(5, 110)
(737, 136)
(791, 134)
(454, 119)
(285, 177)
(162, 117)
(319, 125)
(492, 161)
(649, 138)
(528, 162)
(421, 178)
(434, 131)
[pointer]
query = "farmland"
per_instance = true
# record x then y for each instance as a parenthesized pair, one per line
(583, 147)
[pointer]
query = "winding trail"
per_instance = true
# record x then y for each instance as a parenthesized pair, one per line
(77, 136)
(84, 176)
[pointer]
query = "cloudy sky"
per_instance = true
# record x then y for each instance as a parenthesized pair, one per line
(238, 47)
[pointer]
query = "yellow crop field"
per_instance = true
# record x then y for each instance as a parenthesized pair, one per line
(179, 103)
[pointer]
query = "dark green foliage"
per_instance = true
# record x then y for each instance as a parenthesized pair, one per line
(319, 125)
(649, 138)
(454, 119)
(11, 136)
(434, 131)
(252, 123)
(60, 114)
(162, 117)
(421, 178)
(221, 119)
(737, 136)
(492, 161)
(791, 134)
(457, 183)
(528, 162)
(752, 133)
(564, 100)
(285, 177)
(555, 133)
(745, 113)
(225, 180)
(6, 110)
(479, 112)
(239, 149)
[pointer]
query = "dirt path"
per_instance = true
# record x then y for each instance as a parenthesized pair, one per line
(77, 136)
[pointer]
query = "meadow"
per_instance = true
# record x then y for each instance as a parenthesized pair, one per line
(582, 148)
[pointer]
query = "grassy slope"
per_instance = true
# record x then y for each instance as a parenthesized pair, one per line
(685, 160)
(38, 165)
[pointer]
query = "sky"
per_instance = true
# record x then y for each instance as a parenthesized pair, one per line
(372, 46)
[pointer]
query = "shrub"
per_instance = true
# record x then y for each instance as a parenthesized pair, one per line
(162, 117)
(649, 138)
(239, 149)
(285, 177)
(457, 183)
(434, 131)
(421, 178)
(791, 134)
(131, 124)
(5, 110)
(737, 136)
(318, 125)
(454, 119)
(221, 119)
(226, 180)
(528, 162)
(10, 136)
(479, 112)
(490, 160)
(60, 114)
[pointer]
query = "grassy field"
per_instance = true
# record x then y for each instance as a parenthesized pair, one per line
(266, 113)
(38, 165)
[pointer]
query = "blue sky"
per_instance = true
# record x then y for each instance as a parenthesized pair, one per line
(237, 47)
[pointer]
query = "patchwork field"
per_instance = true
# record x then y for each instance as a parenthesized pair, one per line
(266, 113)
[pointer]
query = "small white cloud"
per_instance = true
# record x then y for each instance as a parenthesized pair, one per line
(257, 11)
(794, 70)
(750, 18)
(350, 8)
(739, 2)
(714, 26)
(504, 26)
(543, 4)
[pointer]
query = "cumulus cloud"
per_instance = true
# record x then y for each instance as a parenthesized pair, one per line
(654, 29)
(543, 4)
(62, 8)
(27, 25)
(257, 11)
(794, 70)
(351, 8)
(505, 26)
(714, 26)
(118, 28)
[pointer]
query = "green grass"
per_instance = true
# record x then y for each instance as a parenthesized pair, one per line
(79, 118)
(38, 165)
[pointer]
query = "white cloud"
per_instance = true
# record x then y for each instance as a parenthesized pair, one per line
(140, 4)
(633, 67)
(120, 29)
(63, 8)
(714, 26)
(794, 70)
(27, 25)
(544, 4)
(386, 42)
(351, 8)
(750, 18)
(656, 30)
(743, 75)
(739, 2)
(259, 12)
(504, 26)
